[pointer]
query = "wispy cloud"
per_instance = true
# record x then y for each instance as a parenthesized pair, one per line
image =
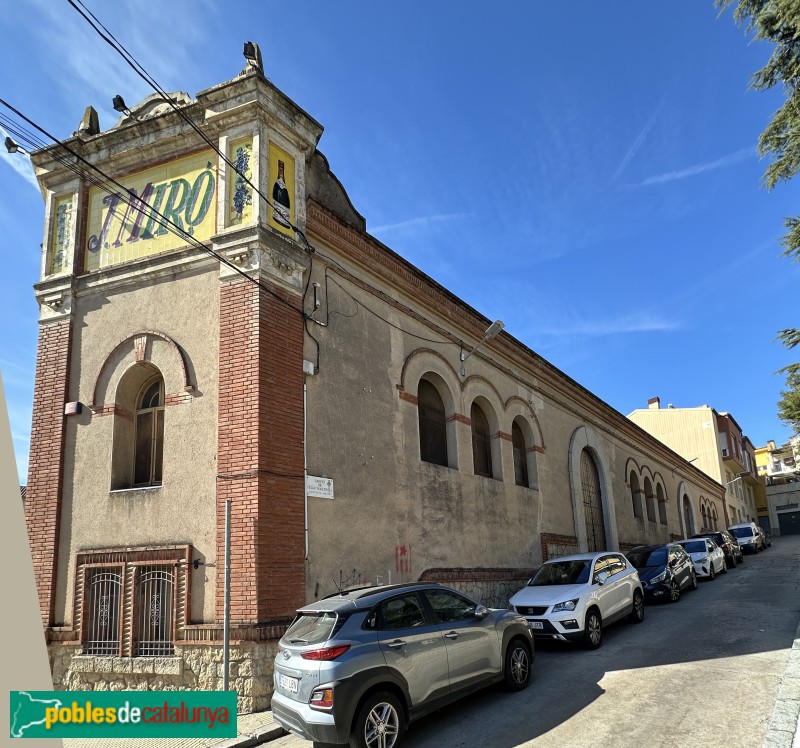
(640, 138)
(19, 163)
(421, 222)
(579, 326)
(691, 171)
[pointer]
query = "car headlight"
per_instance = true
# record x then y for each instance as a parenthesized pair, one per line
(660, 578)
(565, 606)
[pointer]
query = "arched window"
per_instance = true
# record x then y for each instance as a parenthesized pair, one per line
(636, 495)
(688, 519)
(432, 425)
(520, 456)
(714, 517)
(704, 516)
(149, 438)
(649, 500)
(661, 500)
(481, 442)
(592, 503)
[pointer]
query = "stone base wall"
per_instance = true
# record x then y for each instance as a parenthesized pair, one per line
(194, 667)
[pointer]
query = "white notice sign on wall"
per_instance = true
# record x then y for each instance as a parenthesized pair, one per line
(320, 487)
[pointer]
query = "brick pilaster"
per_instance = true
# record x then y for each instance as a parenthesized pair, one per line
(46, 466)
(260, 453)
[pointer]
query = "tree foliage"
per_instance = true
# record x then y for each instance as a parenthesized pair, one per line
(778, 22)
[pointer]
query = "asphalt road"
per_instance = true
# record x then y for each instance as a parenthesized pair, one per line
(699, 672)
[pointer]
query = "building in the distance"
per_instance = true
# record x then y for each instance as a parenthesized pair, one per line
(779, 469)
(219, 331)
(715, 443)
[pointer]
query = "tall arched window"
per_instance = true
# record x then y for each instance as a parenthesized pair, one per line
(714, 517)
(661, 500)
(704, 516)
(592, 503)
(688, 519)
(636, 495)
(149, 438)
(432, 425)
(520, 456)
(481, 442)
(649, 500)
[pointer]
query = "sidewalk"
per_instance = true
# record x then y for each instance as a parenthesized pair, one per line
(252, 729)
(784, 726)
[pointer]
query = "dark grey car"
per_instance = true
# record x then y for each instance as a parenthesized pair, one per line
(359, 666)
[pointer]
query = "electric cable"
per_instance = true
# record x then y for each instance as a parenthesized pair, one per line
(137, 202)
(139, 69)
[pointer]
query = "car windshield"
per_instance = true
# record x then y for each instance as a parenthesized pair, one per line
(310, 628)
(562, 572)
(655, 557)
(742, 532)
(694, 546)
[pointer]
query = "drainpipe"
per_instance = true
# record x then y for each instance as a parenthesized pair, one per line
(305, 461)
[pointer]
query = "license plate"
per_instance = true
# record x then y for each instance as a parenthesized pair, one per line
(288, 683)
(535, 624)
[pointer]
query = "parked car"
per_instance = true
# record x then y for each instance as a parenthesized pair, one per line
(729, 544)
(767, 537)
(665, 570)
(748, 536)
(707, 557)
(572, 598)
(359, 665)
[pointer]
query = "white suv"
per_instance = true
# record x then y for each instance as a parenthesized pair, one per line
(571, 598)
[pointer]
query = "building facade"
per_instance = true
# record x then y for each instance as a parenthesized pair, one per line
(779, 471)
(219, 332)
(715, 443)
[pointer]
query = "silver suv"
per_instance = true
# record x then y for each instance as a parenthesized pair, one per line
(360, 665)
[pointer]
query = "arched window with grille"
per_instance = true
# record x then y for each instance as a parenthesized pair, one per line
(149, 437)
(636, 495)
(432, 424)
(714, 517)
(688, 517)
(592, 503)
(520, 455)
(661, 500)
(649, 500)
(481, 442)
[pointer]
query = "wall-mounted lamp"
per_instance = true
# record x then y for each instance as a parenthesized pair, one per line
(252, 54)
(119, 105)
(13, 147)
(492, 331)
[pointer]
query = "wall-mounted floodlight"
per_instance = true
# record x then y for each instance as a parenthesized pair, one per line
(492, 331)
(13, 147)
(252, 54)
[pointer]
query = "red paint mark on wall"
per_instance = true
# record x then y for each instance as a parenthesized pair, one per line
(402, 558)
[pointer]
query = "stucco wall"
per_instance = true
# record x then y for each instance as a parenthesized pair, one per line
(183, 305)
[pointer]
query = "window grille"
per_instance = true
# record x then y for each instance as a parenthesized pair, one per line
(103, 595)
(592, 504)
(432, 425)
(520, 456)
(481, 443)
(155, 612)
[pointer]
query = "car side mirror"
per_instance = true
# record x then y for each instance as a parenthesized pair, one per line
(673, 561)
(481, 611)
(602, 577)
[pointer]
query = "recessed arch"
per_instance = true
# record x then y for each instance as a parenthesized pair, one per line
(585, 437)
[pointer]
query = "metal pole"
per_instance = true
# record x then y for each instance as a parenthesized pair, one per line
(226, 620)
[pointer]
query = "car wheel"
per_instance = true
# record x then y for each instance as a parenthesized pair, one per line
(637, 614)
(674, 592)
(380, 722)
(711, 573)
(593, 630)
(518, 667)
(693, 582)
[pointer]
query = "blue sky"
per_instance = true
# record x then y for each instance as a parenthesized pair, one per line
(586, 172)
